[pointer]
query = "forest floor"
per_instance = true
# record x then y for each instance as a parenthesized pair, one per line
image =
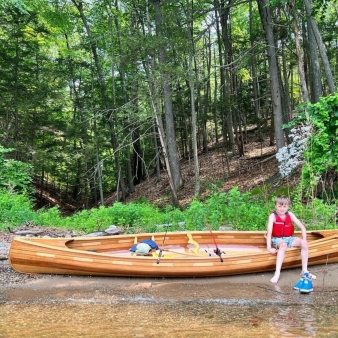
(257, 167)
(218, 172)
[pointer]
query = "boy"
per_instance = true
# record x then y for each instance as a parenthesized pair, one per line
(279, 236)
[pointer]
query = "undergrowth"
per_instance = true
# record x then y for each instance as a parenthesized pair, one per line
(232, 209)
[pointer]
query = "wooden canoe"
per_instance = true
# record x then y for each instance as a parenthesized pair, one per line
(185, 254)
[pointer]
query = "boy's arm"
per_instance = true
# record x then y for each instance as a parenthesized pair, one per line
(269, 234)
(300, 225)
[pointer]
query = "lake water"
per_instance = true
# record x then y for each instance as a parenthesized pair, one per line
(149, 318)
(69, 307)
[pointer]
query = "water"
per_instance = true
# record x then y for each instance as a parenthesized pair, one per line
(146, 318)
(121, 307)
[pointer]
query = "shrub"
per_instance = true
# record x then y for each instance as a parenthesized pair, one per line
(15, 209)
(14, 175)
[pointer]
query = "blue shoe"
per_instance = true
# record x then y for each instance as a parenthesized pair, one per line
(307, 284)
(299, 284)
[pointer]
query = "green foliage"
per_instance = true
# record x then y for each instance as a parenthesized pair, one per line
(194, 216)
(321, 154)
(128, 216)
(213, 185)
(283, 191)
(15, 209)
(49, 217)
(19, 5)
(316, 214)
(14, 175)
(233, 209)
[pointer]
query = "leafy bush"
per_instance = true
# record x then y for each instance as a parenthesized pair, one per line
(316, 214)
(194, 216)
(15, 209)
(321, 153)
(234, 209)
(49, 217)
(322, 150)
(14, 175)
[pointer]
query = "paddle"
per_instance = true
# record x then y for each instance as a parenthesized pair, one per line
(160, 253)
(217, 251)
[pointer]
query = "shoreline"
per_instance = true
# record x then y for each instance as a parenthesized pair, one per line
(255, 287)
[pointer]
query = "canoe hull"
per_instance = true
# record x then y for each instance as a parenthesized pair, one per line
(244, 252)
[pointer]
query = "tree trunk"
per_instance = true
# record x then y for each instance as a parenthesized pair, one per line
(157, 153)
(215, 98)
(224, 11)
(254, 77)
(127, 152)
(156, 109)
(301, 72)
(207, 96)
(321, 47)
(315, 76)
(192, 98)
(174, 161)
(265, 13)
(98, 165)
(114, 140)
(286, 67)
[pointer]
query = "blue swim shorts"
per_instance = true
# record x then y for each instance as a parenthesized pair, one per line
(288, 240)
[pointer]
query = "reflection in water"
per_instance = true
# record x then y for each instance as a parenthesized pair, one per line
(294, 321)
(305, 321)
(174, 319)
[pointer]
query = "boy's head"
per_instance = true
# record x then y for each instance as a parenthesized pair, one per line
(283, 200)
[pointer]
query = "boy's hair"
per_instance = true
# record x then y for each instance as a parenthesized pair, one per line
(282, 200)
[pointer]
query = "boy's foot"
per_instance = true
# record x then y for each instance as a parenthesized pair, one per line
(307, 284)
(311, 275)
(275, 278)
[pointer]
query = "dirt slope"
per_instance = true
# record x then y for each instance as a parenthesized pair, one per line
(257, 166)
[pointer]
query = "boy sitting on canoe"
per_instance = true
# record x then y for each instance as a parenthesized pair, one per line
(280, 237)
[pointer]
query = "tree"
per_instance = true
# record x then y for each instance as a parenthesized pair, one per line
(175, 168)
(321, 47)
(106, 101)
(266, 18)
(192, 94)
(93, 93)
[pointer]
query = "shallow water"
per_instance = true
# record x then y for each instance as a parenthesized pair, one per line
(242, 306)
(142, 317)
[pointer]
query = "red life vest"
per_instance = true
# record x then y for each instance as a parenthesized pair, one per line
(282, 228)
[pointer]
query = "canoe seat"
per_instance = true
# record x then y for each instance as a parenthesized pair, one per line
(196, 247)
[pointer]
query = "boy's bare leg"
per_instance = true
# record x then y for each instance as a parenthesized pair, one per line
(279, 262)
(304, 253)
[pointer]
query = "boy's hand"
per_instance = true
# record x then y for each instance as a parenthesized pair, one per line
(272, 251)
